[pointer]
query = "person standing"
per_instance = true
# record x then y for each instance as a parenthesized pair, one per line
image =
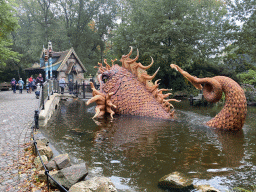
(13, 84)
(39, 79)
(30, 84)
(33, 84)
(70, 86)
(27, 85)
(62, 84)
(21, 83)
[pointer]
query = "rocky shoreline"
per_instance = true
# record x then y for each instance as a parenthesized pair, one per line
(71, 177)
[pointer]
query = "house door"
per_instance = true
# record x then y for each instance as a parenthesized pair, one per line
(70, 77)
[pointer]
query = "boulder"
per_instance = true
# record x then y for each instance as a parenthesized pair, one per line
(51, 165)
(42, 177)
(60, 162)
(96, 184)
(38, 163)
(70, 175)
(175, 180)
(41, 139)
(45, 150)
(205, 188)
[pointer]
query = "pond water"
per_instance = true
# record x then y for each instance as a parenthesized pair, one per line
(135, 152)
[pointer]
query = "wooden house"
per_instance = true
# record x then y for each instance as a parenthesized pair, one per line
(64, 64)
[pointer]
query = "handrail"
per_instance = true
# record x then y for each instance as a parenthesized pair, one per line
(46, 170)
(36, 126)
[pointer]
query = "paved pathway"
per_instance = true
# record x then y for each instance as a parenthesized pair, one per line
(16, 116)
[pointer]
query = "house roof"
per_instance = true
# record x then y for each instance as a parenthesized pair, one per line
(71, 64)
(63, 57)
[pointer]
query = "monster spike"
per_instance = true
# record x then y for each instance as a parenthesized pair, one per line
(99, 111)
(167, 95)
(129, 54)
(95, 98)
(113, 61)
(152, 88)
(156, 82)
(148, 77)
(146, 67)
(100, 64)
(161, 90)
(107, 65)
(135, 59)
(175, 100)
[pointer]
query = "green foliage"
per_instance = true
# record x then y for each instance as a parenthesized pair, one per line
(248, 77)
(243, 55)
(8, 24)
(186, 33)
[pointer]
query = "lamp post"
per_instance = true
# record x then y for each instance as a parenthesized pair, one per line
(46, 69)
(50, 62)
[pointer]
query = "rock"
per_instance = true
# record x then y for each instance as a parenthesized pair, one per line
(45, 150)
(42, 177)
(175, 180)
(205, 188)
(41, 139)
(60, 162)
(38, 163)
(70, 175)
(51, 165)
(96, 184)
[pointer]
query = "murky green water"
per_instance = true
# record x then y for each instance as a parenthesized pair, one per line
(136, 152)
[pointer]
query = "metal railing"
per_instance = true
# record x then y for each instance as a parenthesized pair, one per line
(53, 86)
(46, 89)
(42, 98)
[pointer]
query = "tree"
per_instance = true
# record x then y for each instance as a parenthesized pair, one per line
(181, 32)
(8, 24)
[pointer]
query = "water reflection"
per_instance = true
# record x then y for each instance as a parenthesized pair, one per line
(136, 152)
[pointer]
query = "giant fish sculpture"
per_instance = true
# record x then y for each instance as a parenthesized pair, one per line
(129, 90)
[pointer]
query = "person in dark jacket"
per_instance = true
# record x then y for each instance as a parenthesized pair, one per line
(70, 86)
(13, 84)
(39, 79)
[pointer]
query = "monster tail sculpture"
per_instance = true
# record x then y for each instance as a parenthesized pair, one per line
(232, 116)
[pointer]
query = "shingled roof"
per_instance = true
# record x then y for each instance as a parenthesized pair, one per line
(63, 57)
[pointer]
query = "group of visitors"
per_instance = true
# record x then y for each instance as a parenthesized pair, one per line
(14, 84)
(30, 83)
(62, 84)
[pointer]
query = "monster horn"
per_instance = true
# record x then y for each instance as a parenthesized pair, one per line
(146, 67)
(148, 77)
(167, 95)
(129, 54)
(113, 61)
(107, 65)
(161, 90)
(135, 59)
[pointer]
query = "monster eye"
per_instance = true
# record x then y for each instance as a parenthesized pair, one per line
(104, 78)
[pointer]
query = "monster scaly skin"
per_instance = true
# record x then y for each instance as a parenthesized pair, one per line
(232, 116)
(131, 90)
